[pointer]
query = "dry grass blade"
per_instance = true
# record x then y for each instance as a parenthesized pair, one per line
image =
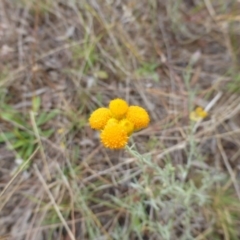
(53, 202)
(229, 168)
(36, 132)
(18, 172)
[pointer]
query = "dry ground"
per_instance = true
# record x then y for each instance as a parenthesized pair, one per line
(60, 60)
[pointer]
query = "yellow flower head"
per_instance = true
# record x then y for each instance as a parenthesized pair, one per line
(198, 114)
(201, 112)
(99, 118)
(114, 136)
(127, 125)
(138, 116)
(112, 122)
(118, 107)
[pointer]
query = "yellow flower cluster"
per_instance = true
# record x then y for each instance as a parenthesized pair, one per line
(118, 122)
